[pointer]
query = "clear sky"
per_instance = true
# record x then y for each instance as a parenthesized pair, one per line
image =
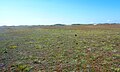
(47, 12)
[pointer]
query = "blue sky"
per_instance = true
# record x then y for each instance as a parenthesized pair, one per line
(47, 12)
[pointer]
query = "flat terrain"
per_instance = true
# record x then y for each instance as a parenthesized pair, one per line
(83, 48)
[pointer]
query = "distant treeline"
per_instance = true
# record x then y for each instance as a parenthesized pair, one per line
(64, 25)
(82, 24)
(86, 24)
(59, 24)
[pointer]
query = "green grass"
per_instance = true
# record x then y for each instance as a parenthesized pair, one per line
(30, 49)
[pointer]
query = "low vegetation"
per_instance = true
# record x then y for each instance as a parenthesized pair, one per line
(84, 48)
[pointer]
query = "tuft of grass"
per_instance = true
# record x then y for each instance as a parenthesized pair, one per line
(13, 47)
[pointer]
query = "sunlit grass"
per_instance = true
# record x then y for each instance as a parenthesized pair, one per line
(86, 49)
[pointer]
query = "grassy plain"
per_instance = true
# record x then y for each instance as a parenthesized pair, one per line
(84, 48)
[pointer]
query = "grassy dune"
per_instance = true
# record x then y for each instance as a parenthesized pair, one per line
(86, 48)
